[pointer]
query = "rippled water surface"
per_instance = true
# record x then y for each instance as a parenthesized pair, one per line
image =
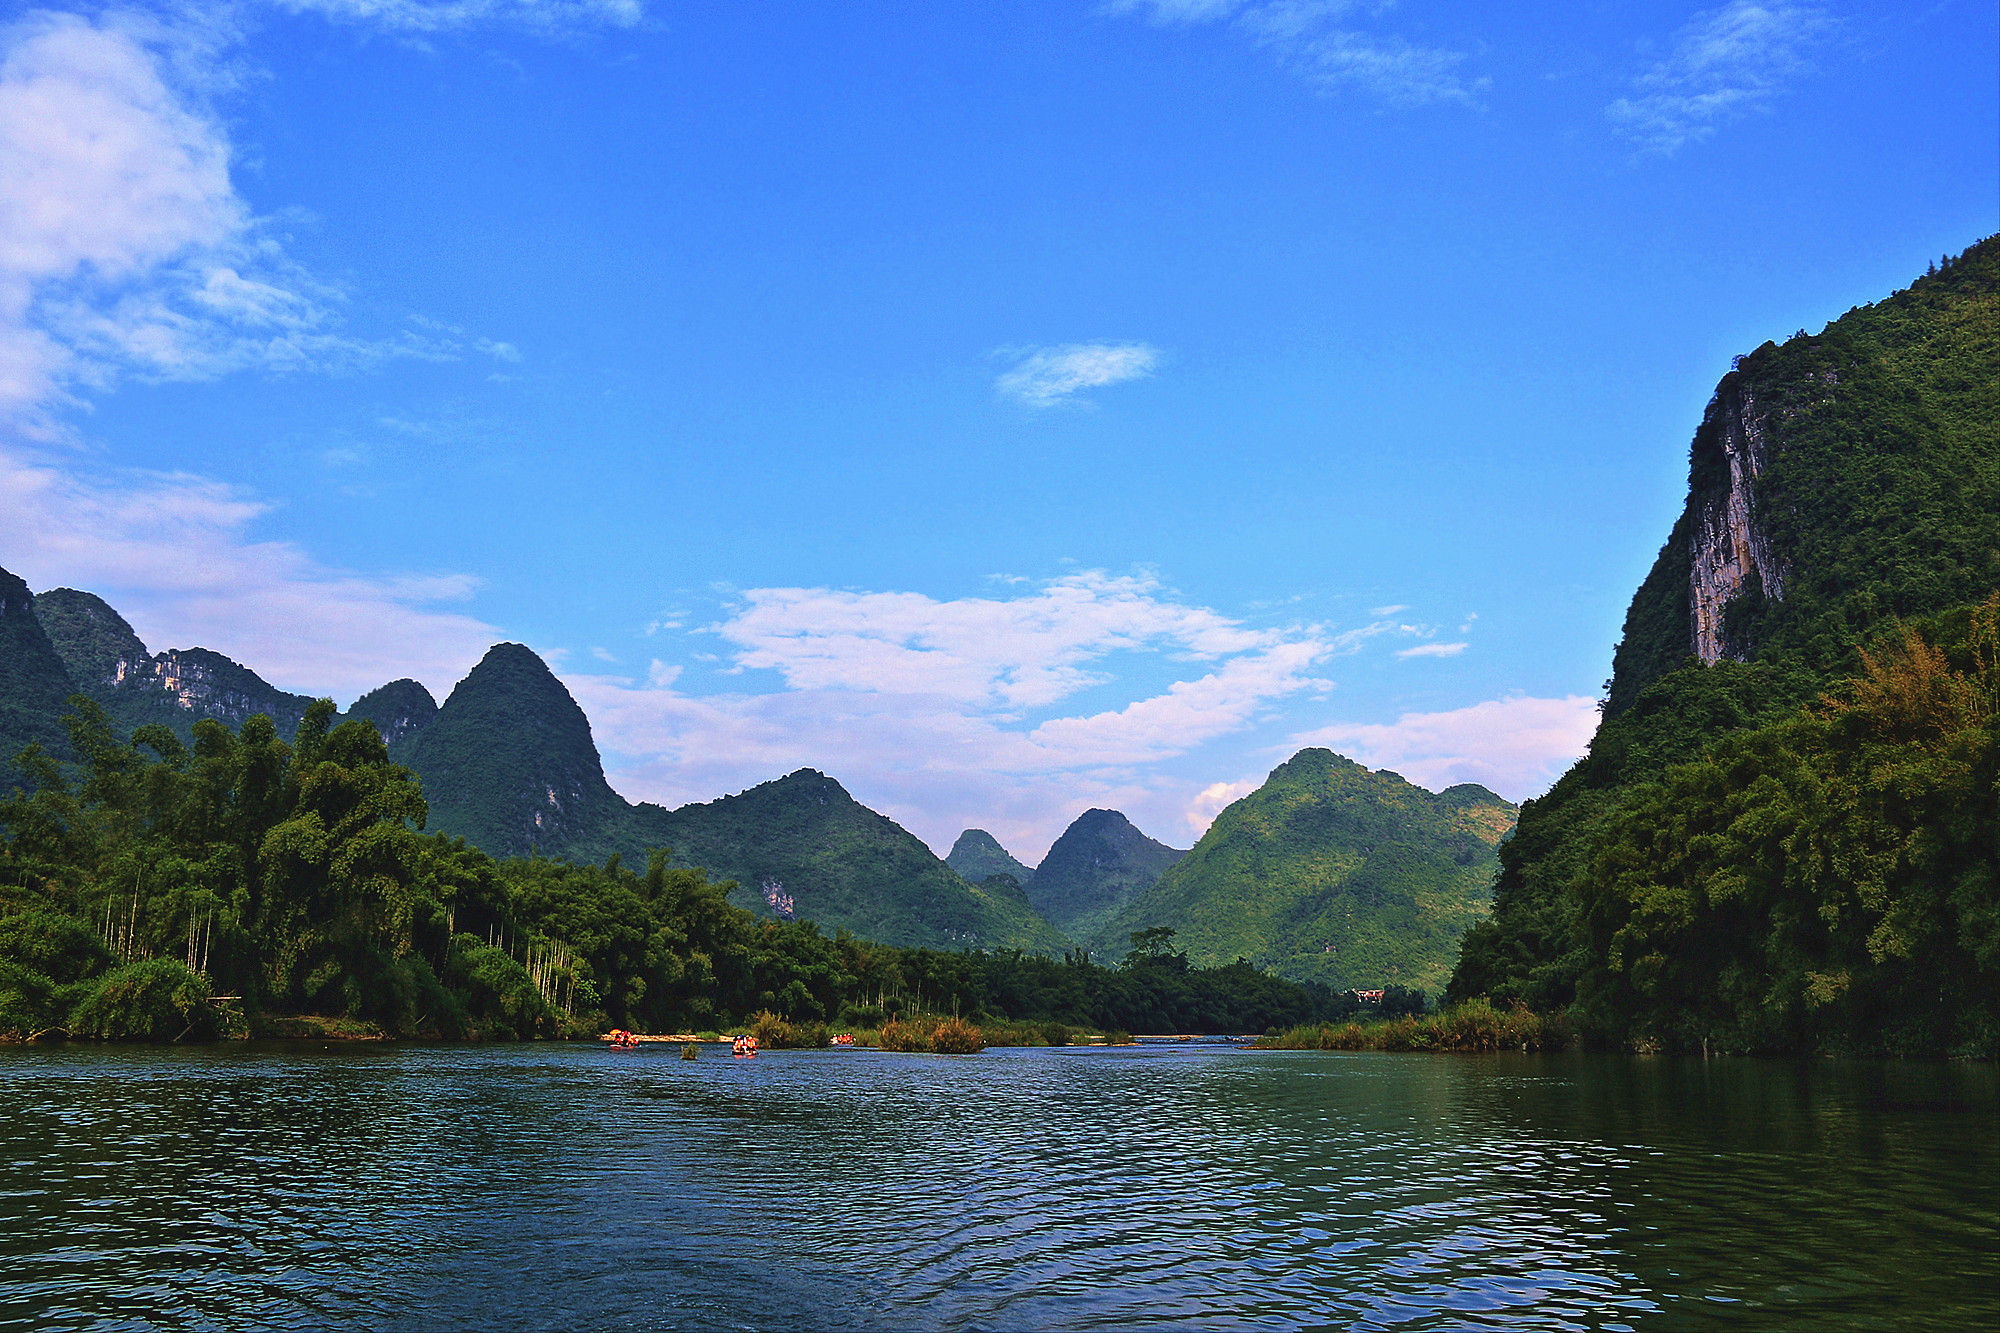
(560, 1187)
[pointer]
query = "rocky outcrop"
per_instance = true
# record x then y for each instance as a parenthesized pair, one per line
(1729, 548)
(179, 686)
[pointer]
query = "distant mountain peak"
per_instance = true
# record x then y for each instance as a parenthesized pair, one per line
(399, 710)
(978, 856)
(1099, 864)
(509, 762)
(98, 645)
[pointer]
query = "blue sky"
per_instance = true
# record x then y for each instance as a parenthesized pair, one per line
(1006, 408)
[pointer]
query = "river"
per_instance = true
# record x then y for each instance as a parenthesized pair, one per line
(566, 1187)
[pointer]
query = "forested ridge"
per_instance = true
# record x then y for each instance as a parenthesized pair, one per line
(162, 890)
(1787, 842)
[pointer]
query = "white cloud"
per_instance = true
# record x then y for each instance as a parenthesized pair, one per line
(1388, 610)
(1433, 650)
(1213, 799)
(1725, 63)
(1054, 376)
(174, 553)
(936, 707)
(1026, 651)
(1320, 41)
(124, 247)
(1516, 746)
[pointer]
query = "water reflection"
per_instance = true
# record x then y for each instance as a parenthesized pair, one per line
(554, 1187)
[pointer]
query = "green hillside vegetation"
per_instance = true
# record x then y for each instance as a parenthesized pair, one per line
(175, 688)
(1879, 503)
(34, 684)
(1099, 864)
(399, 710)
(1829, 881)
(509, 765)
(1329, 873)
(978, 855)
(245, 884)
(802, 846)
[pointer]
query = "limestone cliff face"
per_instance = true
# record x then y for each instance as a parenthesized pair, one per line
(1729, 548)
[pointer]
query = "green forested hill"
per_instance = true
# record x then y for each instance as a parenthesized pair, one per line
(509, 764)
(978, 855)
(801, 846)
(1099, 864)
(175, 688)
(1839, 484)
(34, 683)
(1331, 873)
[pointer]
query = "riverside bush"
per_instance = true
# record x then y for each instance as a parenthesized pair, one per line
(1473, 1026)
(159, 999)
(900, 1036)
(955, 1036)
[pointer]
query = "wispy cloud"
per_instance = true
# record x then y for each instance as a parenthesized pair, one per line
(1433, 650)
(1516, 746)
(1322, 41)
(433, 16)
(1724, 64)
(125, 250)
(1046, 377)
(176, 554)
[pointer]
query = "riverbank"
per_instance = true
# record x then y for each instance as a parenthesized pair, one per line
(1473, 1026)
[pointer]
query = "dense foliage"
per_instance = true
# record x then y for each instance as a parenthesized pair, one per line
(163, 891)
(1099, 864)
(803, 846)
(1333, 874)
(1881, 499)
(1830, 880)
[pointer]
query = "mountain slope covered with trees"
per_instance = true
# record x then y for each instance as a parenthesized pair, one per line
(1782, 747)
(1332, 874)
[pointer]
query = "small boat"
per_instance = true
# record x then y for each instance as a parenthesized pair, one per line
(743, 1046)
(621, 1040)
(844, 1039)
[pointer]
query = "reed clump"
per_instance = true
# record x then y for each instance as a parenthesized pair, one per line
(1473, 1026)
(940, 1036)
(774, 1033)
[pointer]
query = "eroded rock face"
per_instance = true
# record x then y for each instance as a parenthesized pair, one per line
(1729, 548)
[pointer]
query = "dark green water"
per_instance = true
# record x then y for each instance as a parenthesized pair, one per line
(575, 1188)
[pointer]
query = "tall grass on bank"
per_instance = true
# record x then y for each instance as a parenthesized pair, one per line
(1473, 1026)
(939, 1036)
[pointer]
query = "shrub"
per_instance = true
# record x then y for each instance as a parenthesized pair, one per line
(29, 1003)
(501, 999)
(158, 999)
(1117, 1039)
(1055, 1034)
(900, 1036)
(54, 944)
(770, 1030)
(955, 1036)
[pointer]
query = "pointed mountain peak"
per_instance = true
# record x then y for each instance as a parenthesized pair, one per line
(978, 856)
(509, 763)
(1100, 863)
